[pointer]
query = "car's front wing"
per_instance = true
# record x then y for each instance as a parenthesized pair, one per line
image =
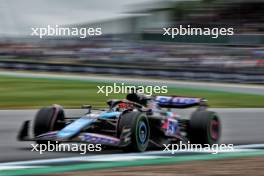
(83, 137)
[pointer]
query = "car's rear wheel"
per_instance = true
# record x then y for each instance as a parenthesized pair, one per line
(138, 124)
(204, 128)
(48, 119)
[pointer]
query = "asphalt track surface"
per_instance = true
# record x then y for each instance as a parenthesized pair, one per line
(240, 126)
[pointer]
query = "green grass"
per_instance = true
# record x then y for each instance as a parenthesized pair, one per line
(37, 92)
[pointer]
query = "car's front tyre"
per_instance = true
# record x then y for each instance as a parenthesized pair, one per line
(138, 124)
(48, 119)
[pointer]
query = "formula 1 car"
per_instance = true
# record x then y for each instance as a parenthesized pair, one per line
(134, 124)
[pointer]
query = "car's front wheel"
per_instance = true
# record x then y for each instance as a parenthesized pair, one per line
(138, 124)
(48, 119)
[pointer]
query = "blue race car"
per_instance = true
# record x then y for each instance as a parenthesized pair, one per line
(136, 124)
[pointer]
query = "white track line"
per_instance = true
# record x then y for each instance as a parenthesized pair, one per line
(249, 146)
(18, 167)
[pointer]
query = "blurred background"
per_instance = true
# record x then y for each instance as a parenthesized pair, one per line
(132, 42)
(133, 45)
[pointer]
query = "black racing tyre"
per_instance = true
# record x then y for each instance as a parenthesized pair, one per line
(204, 128)
(138, 123)
(47, 120)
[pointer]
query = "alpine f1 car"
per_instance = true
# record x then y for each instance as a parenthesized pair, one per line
(133, 124)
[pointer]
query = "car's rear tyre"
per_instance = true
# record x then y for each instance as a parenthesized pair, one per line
(204, 128)
(48, 119)
(138, 123)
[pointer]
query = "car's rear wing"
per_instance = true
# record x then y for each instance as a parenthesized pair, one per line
(178, 101)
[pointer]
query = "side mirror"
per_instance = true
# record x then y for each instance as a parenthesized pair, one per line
(203, 105)
(89, 107)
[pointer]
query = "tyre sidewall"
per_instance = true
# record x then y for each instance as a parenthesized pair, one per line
(46, 120)
(199, 128)
(132, 120)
